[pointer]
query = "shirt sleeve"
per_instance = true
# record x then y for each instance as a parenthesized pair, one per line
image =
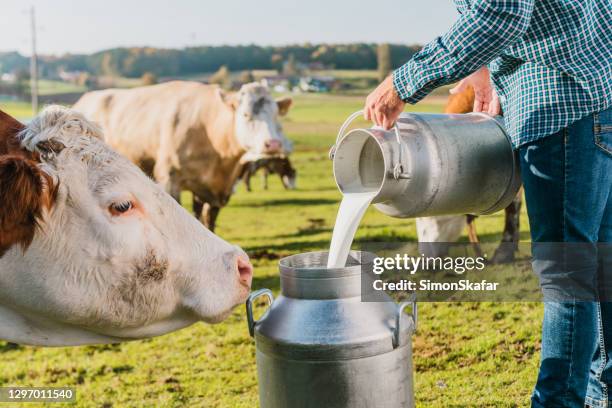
(480, 34)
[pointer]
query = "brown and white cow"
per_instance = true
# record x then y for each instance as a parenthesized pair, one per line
(92, 250)
(191, 136)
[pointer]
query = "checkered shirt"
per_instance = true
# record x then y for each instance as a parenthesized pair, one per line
(550, 60)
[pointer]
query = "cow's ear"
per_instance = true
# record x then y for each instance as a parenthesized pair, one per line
(283, 105)
(230, 100)
(24, 191)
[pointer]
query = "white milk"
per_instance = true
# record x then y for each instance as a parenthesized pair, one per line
(352, 209)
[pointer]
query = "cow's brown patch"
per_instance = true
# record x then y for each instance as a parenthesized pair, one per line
(9, 143)
(24, 189)
(151, 268)
(462, 102)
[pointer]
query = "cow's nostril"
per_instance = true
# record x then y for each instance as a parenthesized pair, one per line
(273, 145)
(245, 271)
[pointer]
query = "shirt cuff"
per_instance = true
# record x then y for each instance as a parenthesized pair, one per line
(404, 84)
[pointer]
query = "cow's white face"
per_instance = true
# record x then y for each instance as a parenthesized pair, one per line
(257, 122)
(114, 255)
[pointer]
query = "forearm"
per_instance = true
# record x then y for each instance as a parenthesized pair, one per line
(477, 37)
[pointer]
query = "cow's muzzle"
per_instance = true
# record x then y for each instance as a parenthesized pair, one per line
(273, 146)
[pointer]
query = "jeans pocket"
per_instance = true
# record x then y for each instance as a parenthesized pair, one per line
(602, 122)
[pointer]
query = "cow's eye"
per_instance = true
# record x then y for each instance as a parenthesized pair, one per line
(121, 207)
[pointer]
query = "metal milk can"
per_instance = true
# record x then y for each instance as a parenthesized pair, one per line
(319, 346)
(429, 164)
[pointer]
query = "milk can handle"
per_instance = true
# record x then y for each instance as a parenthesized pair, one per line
(398, 318)
(398, 170)
(343, 128)
(249, 308)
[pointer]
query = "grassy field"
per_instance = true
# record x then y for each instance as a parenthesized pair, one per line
(466, 355)
(18, 109)
(48, 87)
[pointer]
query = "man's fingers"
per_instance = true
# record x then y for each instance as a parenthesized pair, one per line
(378, 117)
(485, 106)
(387, 123)
(494, 109)
(366, 113)
(483, 94)
(477, 105)
(494, 106)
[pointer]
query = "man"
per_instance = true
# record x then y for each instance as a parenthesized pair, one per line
(547, 64)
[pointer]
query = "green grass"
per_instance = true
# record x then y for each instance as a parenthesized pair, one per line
(49, 87)
(348, 73)
(18, 109)
(465, 354)
(315, 118)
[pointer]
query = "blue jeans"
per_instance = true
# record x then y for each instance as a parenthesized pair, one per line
(568, 184)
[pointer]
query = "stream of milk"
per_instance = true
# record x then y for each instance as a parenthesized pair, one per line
(352, 209)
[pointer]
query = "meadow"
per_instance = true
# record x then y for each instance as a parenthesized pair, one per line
(465, 354)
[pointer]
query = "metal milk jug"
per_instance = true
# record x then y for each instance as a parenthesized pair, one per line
(429, 164)
(319, 346)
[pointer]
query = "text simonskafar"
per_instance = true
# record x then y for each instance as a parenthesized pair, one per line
(431, 286)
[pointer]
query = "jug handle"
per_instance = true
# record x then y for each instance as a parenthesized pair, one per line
(398, 170)
(249, 308)
(398, 318)
(342, 130)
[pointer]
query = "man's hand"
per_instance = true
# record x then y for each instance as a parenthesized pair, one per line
(383, 106)
(485, 97)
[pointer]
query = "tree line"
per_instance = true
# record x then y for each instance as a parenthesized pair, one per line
(134, 62)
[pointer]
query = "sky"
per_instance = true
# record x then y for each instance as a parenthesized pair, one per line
(85, 26)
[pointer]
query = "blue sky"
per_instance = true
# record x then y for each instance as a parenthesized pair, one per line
(85, 26)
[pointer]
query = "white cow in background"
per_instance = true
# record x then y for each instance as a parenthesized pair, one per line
(92, 250)
(438, 230)
(192, 136)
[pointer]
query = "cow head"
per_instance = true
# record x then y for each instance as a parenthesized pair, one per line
(88, 243)
(257, 125)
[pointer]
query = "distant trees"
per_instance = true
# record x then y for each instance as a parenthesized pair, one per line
(134, 62)
(290, 68)
(276, 62)
(22, 82)
(108, 66)
(384, 61)
(13, 61)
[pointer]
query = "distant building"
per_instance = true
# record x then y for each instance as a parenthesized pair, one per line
(317, 83)
(317, 66)
(8, 77)
(70, 76)
(278, 83)
(286, 83)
